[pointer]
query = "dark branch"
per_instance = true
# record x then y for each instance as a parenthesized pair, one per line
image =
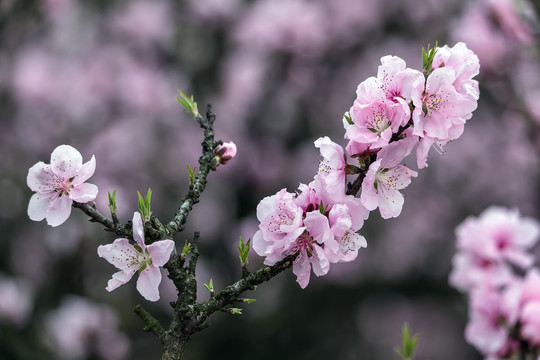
(152, 324)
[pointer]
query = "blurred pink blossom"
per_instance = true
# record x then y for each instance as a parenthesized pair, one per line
(79, 326)
(16, 301)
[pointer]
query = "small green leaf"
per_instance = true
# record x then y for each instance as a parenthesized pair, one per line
(188, 103)
(210, 286)
(144, 205)
(191, 174)
(427, 59)
(408, 344)
(186, 249)
(235, 311)
(112, 201)
(243, 250)
(248, 301)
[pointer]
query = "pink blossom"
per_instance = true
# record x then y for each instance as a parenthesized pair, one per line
(225, 152)
(493, 313)
(499, 234)
(440, 106)
(470, 271)
(465, 64)
(373, 125)
(342, 224)
(332, 167)
(130, 259)
(280, 225)
(80, 327)
(16, 300)
(309, 247)
(530, 312)
(58, 184)
(384, 179)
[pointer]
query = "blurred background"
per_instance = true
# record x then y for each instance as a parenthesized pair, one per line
(102, 76)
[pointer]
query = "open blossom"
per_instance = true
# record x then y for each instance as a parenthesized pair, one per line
(499, 234)
(385, 178)
(465, 65)
(58, 184)
(493, 312)
(332, 167)
(280, 225)
(80, 327)
(373, 125)
(130, 259)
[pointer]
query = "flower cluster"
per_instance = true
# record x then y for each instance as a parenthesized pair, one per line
(399, 109)
(504, 307)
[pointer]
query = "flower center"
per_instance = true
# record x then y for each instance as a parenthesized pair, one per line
(304, 242)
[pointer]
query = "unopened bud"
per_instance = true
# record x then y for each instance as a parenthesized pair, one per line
(225, 152)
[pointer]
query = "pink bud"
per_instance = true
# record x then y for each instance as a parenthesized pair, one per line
(225, 152)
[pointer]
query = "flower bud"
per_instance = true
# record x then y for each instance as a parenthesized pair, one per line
(225, 152)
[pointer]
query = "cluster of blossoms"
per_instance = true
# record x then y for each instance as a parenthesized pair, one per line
(399, 109)
(504, 307)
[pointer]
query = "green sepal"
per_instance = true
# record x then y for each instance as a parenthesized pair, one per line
(141, 269)
(348, 118)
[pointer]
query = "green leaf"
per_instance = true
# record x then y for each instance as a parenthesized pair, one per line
(243, 250)
(191, 174)
(144, 205)
(248, 301)
(210, 286)
(186, 249)
(427, 59)
(188, 103)
(112, 201)
(408, 344)
(235, 311)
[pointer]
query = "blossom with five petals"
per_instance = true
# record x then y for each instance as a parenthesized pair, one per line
(130, 259)
(58, 184)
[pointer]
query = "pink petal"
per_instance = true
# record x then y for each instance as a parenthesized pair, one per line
(37, 207)
(138, 230)
(86, 170)
(84, 193)
(39, 177)
(120, 278)
(390, 201)
(148, 283)
(320, 264)
(59, 210)
(120, 253)
(302, 269)
(66, 161)
(160, 251)
(318, 227)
